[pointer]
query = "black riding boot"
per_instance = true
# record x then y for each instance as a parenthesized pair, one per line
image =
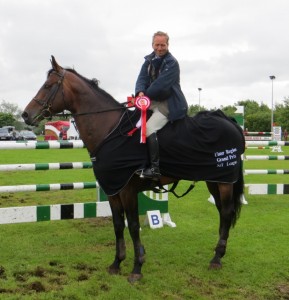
(153, 171)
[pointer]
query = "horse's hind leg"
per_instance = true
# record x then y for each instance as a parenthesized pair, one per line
(119, 225)
(223, 195)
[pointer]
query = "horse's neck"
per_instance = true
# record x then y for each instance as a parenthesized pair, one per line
(97, 120)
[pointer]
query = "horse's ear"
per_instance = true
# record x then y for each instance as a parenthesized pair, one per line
(54, 64)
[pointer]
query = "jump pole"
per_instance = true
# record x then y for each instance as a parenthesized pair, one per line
(266, 172)
(45, 166)
(69, 144)
(268, 189)
(266, 157)
(27, 214)
(267, 143)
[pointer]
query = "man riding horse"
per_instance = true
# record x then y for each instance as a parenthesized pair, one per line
(206, 147)
(159, 79)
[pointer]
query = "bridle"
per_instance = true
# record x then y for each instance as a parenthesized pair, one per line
(46, 103)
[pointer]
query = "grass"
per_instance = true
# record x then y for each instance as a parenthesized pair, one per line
(68, 259)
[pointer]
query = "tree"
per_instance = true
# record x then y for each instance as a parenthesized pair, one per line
(11, 115)
(259, 121)
(229, 110)
(256, 117)
(6, 119)
(11, 108)
(282, 114)
(193, 109)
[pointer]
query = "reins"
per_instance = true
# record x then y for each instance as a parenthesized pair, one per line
(124, 105)
(161, 189)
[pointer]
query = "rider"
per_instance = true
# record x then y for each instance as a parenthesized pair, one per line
(159, 79)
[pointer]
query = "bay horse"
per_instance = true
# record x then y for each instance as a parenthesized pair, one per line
(103, 124)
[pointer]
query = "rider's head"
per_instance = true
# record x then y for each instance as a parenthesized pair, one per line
(160, 43)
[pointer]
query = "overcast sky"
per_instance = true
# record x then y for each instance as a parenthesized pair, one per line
(229, 48)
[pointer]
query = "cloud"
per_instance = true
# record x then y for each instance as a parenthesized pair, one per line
(229, 48)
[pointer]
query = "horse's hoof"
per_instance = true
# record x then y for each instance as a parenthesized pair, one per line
(134, 278)
(215, 266)
(113, 271)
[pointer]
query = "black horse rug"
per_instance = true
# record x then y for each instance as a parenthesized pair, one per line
(206, 147)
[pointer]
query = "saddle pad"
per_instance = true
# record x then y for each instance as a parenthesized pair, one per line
(206, 147)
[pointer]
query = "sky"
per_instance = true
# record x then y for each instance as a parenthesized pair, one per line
(228, 48)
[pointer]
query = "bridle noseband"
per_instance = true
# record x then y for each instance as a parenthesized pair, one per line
(46, 103)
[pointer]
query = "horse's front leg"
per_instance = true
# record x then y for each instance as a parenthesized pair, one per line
(130, 202)
(119, 225)
(224, 203)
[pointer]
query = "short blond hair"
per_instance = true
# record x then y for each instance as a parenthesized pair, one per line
(161, 33)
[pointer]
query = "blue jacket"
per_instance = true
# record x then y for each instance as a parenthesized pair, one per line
(165, 87)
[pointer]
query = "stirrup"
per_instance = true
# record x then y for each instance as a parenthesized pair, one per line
(153, 175)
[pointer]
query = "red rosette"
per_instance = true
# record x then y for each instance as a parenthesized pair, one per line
(143, 103)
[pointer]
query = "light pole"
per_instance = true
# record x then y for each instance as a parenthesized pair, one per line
(199, 89)
(272, 77)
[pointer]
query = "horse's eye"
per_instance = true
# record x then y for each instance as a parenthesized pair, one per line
(47, 86)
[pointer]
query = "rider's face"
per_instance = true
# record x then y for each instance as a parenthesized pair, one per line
(160, 45)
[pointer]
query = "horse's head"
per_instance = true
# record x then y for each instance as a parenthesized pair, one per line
(49, 100)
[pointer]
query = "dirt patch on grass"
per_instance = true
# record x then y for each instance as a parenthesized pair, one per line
(2, 273)
(11, 199)
(36, 286)
(283, 290)
(45, 278)
(85, 271)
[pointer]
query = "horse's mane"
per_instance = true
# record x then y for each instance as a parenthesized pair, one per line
(93, 83)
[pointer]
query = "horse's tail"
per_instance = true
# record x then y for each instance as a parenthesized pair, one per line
(238, 191)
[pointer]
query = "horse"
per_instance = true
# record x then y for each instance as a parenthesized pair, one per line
(101, 120)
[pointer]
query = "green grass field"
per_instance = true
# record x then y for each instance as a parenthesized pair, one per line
(68, 259)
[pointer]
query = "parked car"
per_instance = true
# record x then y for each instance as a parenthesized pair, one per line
(16, 135)
(5, 134)
(28, 135)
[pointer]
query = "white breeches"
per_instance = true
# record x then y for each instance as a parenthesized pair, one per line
(156, 122)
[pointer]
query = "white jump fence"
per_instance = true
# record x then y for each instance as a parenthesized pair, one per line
(147, 201)
(267, 188)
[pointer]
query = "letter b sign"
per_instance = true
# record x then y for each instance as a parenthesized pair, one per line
(154, 219)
